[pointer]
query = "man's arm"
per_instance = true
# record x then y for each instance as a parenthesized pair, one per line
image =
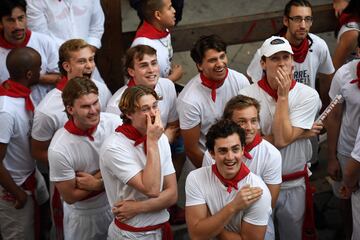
(351, 175)
(172, 130)
(39, 150)
(324, 87)
(191, 142)
(8, 183)
(50, 78)
(347, 43)
(96, 28)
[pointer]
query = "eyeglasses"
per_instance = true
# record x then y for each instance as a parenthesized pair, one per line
(147, 109)
(298, 19)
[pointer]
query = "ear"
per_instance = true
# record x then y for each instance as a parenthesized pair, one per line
(286, 21)
(29, 74)
(131, 72)
(199, 67)
(157, 15)
(66, 66)
(263, 64)
(69, 110)
(212, 153)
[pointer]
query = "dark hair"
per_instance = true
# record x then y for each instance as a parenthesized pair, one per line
(240, 102)
(222, 129)
(138, 53)
(353, 8)
(129, 100)
(7, 6)
(21, 60)
(296, 3)
(205, 43)
(148, 8)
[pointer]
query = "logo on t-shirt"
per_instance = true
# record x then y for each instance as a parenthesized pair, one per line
(302, 76)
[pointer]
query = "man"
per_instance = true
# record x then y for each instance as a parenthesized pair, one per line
(22, 188)
(203, 99)
(287, 115)
(342, 124)
(136, 167)
(219, 200)
(65, 20)
(260, 156)
(74, 161)
(76, 59)
(311, 54)
(14, 34)
(159, 17)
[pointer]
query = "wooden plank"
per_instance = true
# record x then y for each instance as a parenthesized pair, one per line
(244, 29)
(109, 57)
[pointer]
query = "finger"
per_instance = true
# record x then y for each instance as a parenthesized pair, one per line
(148, 119)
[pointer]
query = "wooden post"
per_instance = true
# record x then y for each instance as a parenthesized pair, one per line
(109, 57)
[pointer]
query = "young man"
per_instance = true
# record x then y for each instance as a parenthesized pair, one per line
(15, 34)
(136, 167)
(288, 110)
(203, 99)
(219, 200)
(74, 161)
(159, 17)
(22, 188)
(342, 124)
(311, 54)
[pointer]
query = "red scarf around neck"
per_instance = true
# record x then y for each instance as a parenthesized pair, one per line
(131, 83)
(357, 80)
(300, 51)
(62, 83)
(133, 134)
(73, 129)
(263, 84)
(149, 31)
(7, 45)
(213, 85)
(346, 18)
(231, 183)
(248, 147)
(14, 89)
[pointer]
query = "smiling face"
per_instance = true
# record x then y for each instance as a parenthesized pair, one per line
(214, 65)
(14, 26)
(227, 154)
(297, 32)
(146, 71)
(81, 63)
(247, 118)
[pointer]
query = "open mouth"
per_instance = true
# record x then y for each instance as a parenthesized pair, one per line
(88, 75)
(230, 163)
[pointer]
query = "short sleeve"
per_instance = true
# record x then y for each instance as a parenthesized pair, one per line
(189, 115)
(60, 167)
(43, 128)
(7, 127)
(194, 195)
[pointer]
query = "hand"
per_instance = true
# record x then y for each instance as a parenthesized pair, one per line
(334, 169)
(21, 199)
(176, 72)
(345, 192)
(316, 128)
(172, 132)
(156, 129)
(283, 82)
(88, 182)
(245, 197)
(339, 6)
(125, 210)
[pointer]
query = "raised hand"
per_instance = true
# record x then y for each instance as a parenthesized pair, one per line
(154, 126)
(246, 196)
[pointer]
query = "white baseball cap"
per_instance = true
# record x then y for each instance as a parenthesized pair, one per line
(275, 44)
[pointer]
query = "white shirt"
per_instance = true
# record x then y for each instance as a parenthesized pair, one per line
(350, 120)
(304, 104)
(69, 153)
(203, 187)
(49, 62)
(318, 60)
(265, 162)
(50, 113)
(67, 19)
(164, 51)
(120, 160)
(167, 105)
(15, 129)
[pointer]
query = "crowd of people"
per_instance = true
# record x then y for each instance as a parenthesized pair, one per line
(98, 165)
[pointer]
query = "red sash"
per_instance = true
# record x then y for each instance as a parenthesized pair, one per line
(14, 89)
(213, 85)
(357, 80)
(58, 214)
(231, 183)
(165, 229)
(308, 228)
(7, 45)
(149, 31)
(264, 85)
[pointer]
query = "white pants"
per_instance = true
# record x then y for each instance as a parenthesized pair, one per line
(116, 233)
(270, 230)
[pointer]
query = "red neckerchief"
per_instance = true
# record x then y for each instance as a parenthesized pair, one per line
(133, 134)
(131, 83)
(266, 87)
(300, 51)
(62, 83)
(232, 183)
(357, 80)
(149, 31)
(73, 129)
(213, 85)
(248, 147)
(13, 89)
(346, 18)
(7, 45)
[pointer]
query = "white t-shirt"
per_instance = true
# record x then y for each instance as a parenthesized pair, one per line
(167, 105)
(164, 51)
(304, 104)
(15, 130)
(195, 105)
(50, 113)
(350, 121)
(67, 19)
(265, 162)
(203, 187)
(351, 26)
(120, 160)
(45, 46)
(69, 153)
(318, 60)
